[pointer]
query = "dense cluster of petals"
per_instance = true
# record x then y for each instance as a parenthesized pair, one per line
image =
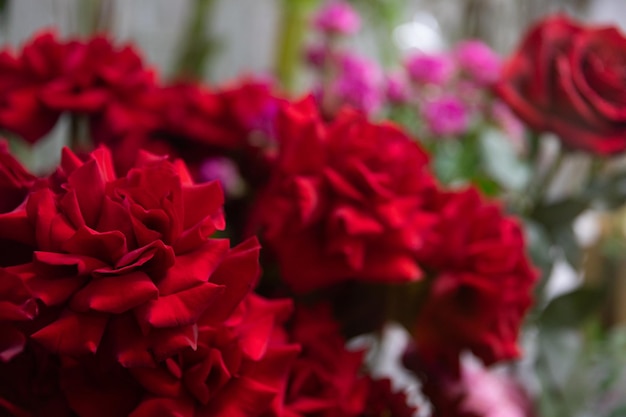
(345, 201)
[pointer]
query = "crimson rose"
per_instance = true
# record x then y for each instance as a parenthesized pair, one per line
(346, 200)
(568, 79)
(481, 282)
(110, 250)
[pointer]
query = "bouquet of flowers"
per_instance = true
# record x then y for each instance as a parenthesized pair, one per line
(238, 251)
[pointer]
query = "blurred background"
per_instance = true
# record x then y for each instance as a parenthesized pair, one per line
(246, 36)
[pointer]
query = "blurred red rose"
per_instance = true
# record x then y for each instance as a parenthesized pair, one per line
(481, 282)
(22, 78)
(326, 379)
(92, 78)
(109, 250)
(345, 201)
(568, 79)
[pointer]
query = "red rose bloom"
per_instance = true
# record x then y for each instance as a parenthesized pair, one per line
(92, 78)
(197, 123)
(568, 79)
(481, 285)
(95, 74)
(133, 249)
(21, 80)
(345, 201)
(325, 380)
(238, 369)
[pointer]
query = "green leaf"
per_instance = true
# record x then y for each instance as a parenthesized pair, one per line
(561, 213)
(456, 160)
(501, 160)
(572, 309)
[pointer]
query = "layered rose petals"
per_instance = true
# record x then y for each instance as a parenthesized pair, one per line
(481, 285)
(95, 79)
(237, 369)
(136, 246)
(567, 78)
(346, 201)
(326, 379)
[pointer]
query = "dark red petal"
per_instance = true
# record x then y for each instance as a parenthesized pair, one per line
(73, 334)
(237, 274)
(115, 294)
(195, 267)
(181, 308)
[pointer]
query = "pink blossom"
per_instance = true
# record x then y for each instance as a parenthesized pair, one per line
(337, 17)
(430, 69)
(478, 61)
(397, 90)
(491, 394)
(358, 83)
(446, 116)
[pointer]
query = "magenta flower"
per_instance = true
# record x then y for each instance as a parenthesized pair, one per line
(397, 90)
(446, 116)
(430, 69)
(225, 171)
(478, 61)
(358, 83)
(337, 17)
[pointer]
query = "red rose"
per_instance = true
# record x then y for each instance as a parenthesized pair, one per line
(325, 380)
(96, 73)
(111, 251)
(237, 368)
(568, 79)
(21, 81)
(346, 201)
(94, 78)
(481, 285)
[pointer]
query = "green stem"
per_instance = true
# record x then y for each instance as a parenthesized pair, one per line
(96, 16)
(293, 28)
(198, 48)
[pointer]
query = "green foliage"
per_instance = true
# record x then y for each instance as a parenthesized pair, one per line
(501, 161)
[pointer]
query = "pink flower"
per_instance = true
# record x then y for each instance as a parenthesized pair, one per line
(430, 69)
(359, 83)
(396, 88)
(479, 61)
(491, 394)
(446, 116)
(337, 17)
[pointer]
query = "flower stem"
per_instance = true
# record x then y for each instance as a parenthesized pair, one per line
(293, 28)
(198, 48)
